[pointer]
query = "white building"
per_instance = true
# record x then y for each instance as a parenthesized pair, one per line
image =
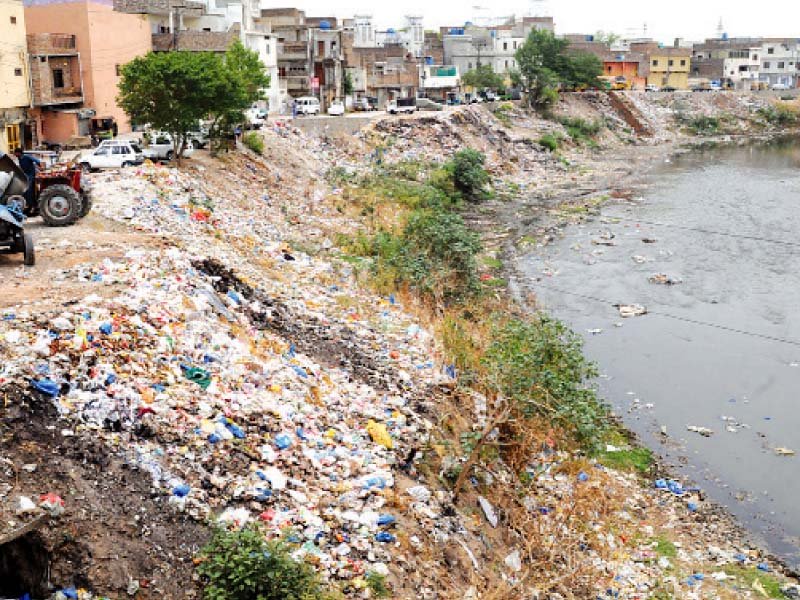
(780, 62)
(258, 37)
(411, 36)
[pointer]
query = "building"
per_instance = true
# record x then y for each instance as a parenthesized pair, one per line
(471, 46)
(104, 40)
(440, 82)
(734, 62)
(411, 36)
(289, 27)
(665, 66)
(326, 59)
(14, 92)
(780, 62)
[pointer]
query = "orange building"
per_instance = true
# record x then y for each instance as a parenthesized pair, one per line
(79, 82)
(624, 67)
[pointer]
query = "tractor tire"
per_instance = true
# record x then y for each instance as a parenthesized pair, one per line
(29, 250)
(59, 205)
(86, 203)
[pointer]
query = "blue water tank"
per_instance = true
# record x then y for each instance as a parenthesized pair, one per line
(724, 37)
(324, 25)
(428, 60)
(468, 24)
(391, 30)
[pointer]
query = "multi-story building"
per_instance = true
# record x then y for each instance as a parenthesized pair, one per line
(14, 93)
(411, 36)
(665, 66)
(471, 46)
(101, 40)
(440, 82)
(326, 59)
(290, 29)
(780, 62)
(734, 62)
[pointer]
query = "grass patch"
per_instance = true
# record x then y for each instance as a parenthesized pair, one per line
(633, 459)
(580, 130)
(503, 114)
(780, 115)
(377, 585)
(665, 547)
(254, 142)
(702, 125)
(747, 576)
(550, 141)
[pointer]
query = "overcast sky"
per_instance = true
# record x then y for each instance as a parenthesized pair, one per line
(691, 19)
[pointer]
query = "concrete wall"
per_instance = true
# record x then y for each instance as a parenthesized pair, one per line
(14, 94)
(105, 40)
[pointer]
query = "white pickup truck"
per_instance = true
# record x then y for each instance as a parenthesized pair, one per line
(161, 147)
(401, 105)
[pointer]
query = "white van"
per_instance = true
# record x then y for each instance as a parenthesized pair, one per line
(307, 105)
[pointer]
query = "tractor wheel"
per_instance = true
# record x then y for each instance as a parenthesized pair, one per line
(86, 203)
(28, 249)
(59, 205)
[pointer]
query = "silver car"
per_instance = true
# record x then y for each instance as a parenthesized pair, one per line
(428, 104)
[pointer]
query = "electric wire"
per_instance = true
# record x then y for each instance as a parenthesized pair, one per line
(667, 315)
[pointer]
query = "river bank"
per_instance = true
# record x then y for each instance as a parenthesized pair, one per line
(217, 359)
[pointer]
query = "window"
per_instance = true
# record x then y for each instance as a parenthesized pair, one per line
(609, 68)
(58, 78)
(781, 65)
(770, 50)
(506, 64)
(13, 20)
(18, 72)
(515, 45)
(655, 63)
(118, 70)
(766, 65)
(42, 59)
(683, 62)
(119, 150)
(505, 45)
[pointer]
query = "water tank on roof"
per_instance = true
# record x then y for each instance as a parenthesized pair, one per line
(468, 24)
(724, 37)
(391, 31)
(428, 60)
(324, 25)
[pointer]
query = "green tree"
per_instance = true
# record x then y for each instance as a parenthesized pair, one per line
(172, 90)
(245, 80)
(469, 176)
(347, 83)
(546, 63)
(483, 77)
(607, 37)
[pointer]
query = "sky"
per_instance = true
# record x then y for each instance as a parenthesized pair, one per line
(693, 20)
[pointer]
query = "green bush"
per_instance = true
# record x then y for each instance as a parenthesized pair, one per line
(242, 565)
(377, 584)
(780, 115)
(537, 363)
(703, 125)
(435, 255)
(580, 130)
(254, 141)
(549, 141)
(469, 176)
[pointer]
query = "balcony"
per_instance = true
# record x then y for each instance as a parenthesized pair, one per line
(56, 79)
(293, 51)
(51, 44)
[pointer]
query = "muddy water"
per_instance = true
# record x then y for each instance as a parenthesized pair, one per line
(719, 350)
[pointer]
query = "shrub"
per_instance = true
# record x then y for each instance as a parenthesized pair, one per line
(703, 125)
(242, 565)
(580, 130)
(254, 141)
(435, 255)
(538, 365)
(377, 584)
(780, 115)
(503, 115)
(549, 141)
(469, 176)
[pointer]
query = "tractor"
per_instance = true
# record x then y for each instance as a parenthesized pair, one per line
(60, 194)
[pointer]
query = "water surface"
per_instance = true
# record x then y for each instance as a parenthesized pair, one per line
(721, 349)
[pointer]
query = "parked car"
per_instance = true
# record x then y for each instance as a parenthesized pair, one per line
(366, 103)
(307, 105)
(112, 154)
(668, 88)
(336, 109)
(255, 117)
(780, 86)
(401, 105)
(651, 88)
(162, 148)
(199, 138)
(428, 104)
